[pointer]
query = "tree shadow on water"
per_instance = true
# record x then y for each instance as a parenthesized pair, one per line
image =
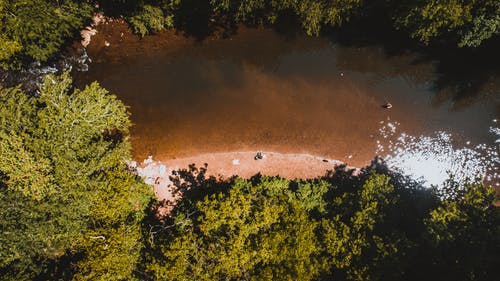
(462, 76)
(196, 18)
(466, 76)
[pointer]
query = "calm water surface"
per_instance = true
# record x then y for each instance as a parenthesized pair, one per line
(259, 90)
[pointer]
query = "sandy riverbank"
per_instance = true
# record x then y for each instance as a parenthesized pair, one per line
(243, 164)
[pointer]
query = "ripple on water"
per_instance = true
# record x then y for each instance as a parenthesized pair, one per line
(432, 159)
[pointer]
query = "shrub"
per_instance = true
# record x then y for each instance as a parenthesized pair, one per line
(148, 20)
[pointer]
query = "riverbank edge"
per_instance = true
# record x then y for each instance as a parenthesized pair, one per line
(225, 165)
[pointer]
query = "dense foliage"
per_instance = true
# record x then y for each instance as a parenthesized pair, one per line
(147, 20)
(65, 193)
(36, 29)
(468, 22)
(313, 14)
(343, 227)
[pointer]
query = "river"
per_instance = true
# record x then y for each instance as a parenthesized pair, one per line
(260, 90)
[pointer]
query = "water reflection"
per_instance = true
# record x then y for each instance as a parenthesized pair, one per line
(259, 90)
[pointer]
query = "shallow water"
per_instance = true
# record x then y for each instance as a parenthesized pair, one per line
(259, 90)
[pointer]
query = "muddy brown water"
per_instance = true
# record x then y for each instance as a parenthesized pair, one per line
(259, 90)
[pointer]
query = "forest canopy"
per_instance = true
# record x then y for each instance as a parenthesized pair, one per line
(65, 192)
(341, 227)
(37, 29)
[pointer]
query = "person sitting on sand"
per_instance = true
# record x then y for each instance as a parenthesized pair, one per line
(259, 155)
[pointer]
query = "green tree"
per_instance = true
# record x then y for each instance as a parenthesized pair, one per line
(467, 22)
(149, 19)
(464, 232)
(255, 231)
(356, 235)
(344, 227)
(313, 14)
(316, 13)
(64, 188)
(485, 24)
(36, 29)
(275, 229)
